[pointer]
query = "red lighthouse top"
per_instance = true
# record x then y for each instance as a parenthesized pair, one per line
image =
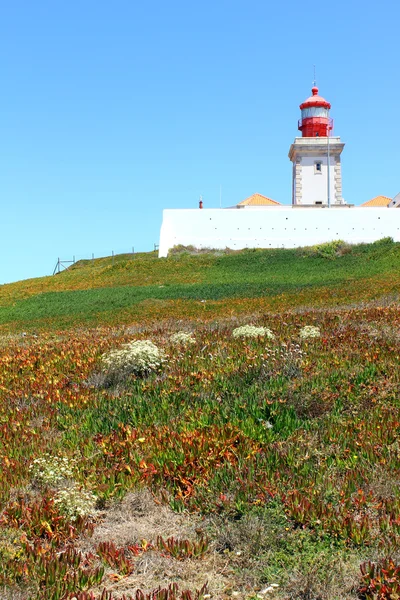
(315, 121)
(315, 100)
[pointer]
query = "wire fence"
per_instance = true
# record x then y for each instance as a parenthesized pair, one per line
(62, 265)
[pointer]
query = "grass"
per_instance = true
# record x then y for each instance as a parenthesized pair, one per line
(131, 286)
(239, 462)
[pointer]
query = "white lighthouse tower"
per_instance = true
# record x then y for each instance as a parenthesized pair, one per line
(317, 172)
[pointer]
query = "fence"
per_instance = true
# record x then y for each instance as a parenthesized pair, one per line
(61, 265)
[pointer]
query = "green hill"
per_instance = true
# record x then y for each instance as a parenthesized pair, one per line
(129, 287)
(210, 425)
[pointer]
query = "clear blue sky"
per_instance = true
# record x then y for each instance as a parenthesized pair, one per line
(112, 111)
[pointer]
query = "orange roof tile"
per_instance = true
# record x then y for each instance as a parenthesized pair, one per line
(378, 201)
(258, 200)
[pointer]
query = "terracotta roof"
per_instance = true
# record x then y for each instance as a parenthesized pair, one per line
(378, 201)
(258, 200)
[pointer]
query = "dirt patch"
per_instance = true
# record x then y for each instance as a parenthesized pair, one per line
(139, 519)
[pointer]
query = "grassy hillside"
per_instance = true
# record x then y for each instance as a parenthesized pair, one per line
(213, 465)
(140, 286)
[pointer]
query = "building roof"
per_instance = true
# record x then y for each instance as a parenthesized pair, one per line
(378, 201)
(258, 200)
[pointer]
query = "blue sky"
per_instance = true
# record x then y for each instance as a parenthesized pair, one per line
(112, 111)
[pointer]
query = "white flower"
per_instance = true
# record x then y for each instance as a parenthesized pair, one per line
(251, 331)
(57, 472)
(51, 470)
(183, 338)
(139, 358)
(310, 331)
(75, 502)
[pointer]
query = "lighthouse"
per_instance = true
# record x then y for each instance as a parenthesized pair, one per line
(317, 171)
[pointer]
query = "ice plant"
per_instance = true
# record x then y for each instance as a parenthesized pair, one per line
(381, 580)
(310, 331)
(219, 434)
(115, 557)
(251, 331)
(181, 549)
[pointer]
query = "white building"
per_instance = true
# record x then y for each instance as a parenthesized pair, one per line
(318, 212)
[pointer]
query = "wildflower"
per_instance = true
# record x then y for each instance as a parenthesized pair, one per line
(251, 331)
(51, 470)
(182, 338)
(138, 358)
(75, 502)
(310, 331)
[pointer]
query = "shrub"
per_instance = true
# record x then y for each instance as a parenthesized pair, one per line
(310, 331)
(181, 249)
(331, 249)
(182, 338)
(385, 241)
(75, 502)
(51, 470)
(251, 331)
(56, 472)
(135, 358)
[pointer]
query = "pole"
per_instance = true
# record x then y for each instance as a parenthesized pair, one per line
(329, 176)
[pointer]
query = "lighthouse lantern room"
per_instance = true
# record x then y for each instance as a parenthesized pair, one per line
(317, 173)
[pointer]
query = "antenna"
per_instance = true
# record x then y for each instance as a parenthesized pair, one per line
(314, 82)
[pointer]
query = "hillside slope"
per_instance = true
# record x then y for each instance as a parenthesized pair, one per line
(204, 426)
(130, 287)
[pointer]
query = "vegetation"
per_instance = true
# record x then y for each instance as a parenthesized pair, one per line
(135, 287)
(272, 460)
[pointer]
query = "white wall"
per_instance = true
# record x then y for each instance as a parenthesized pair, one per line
(275, 227)
(315, 185)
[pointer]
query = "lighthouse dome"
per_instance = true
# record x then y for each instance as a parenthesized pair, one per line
(315, 100)
(315, 121)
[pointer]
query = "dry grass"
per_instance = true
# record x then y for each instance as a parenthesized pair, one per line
(139, 517)
(13, 594)
(339, 583)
